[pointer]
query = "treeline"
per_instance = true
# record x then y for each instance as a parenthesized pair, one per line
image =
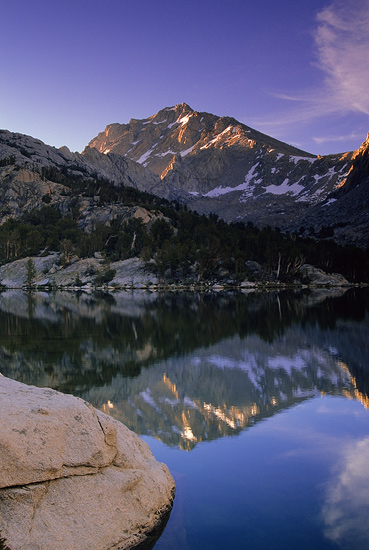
(182, 246)
(91, 185)
(178, 243)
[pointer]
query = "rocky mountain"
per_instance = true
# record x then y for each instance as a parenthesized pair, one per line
(216, 164)
(32, 154)
(101, 213)
(179, 130)
(31, 175)
(212, 164)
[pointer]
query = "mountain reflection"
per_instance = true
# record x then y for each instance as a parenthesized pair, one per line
(220, 390)
(190, 367)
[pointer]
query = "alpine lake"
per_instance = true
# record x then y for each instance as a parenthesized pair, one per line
(257, 402)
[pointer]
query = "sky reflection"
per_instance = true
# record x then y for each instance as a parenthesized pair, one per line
(282, 485)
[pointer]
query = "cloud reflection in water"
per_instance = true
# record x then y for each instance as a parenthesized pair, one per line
(346, 507)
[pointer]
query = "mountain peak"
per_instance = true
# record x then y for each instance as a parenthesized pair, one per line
(180, 107)
(218, 164)
(175, 130)
(212, 164)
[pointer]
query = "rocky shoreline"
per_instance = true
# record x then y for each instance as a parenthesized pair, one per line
(94, 274)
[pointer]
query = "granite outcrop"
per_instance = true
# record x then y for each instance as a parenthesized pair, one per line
(72, 476)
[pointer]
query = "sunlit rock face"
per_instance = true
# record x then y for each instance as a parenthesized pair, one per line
(72, 477)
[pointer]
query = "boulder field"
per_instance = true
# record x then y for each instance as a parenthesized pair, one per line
(73, 477)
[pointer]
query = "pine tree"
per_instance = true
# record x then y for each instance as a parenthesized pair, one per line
(31, 273)
(3, 545)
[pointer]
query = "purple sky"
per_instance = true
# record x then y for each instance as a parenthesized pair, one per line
(298, 71)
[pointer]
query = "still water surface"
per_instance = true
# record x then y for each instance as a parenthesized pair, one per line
(257, 403)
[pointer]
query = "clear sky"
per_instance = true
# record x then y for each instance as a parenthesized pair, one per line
(296, 70)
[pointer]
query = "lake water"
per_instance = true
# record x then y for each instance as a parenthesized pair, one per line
(258, 403)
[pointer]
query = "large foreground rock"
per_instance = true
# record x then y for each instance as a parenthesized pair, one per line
(73, 477)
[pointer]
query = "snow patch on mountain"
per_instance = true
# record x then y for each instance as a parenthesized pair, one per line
(169, 152)
(184, 120)
(330, 201)
(285, 187)
(217, 191)
(245, 186)
(186, 151)
(296, 159)
(228, 130)
(145, 156)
